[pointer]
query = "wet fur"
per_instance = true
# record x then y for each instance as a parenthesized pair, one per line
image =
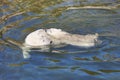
(42, 38)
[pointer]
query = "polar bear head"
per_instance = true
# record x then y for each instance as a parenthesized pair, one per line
(38, 38)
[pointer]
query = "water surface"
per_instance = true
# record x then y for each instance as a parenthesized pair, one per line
(18, 18)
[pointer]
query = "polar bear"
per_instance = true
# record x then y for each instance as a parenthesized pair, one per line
(42, 38)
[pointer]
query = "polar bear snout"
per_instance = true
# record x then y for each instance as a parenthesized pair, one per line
(97, 41)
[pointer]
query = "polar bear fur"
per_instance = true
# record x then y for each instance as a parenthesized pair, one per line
(53, 36)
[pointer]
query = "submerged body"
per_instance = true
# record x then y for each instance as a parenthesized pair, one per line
(45, 37)
(54, 36)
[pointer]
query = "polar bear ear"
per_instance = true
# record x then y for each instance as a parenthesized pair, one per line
(60, 29)
(96, 34)
(55, 29)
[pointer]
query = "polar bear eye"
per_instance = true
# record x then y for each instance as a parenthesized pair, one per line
(51, 42)
(45, 30)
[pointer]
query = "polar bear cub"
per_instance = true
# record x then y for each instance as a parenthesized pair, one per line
(53, 36)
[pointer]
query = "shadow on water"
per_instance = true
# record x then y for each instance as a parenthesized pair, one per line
(20, 17)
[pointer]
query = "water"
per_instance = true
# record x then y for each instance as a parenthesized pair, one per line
(19, 18)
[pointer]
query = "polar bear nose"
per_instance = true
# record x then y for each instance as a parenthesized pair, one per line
(97, 42)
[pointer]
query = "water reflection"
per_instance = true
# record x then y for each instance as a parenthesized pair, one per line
(20, 17)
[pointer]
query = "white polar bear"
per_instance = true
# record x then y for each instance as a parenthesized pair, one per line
(44, 37)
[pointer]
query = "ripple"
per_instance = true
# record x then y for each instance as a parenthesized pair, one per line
(18, 64)
(109, 71)
(53, 60)
(90, 72)
(53, 67)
